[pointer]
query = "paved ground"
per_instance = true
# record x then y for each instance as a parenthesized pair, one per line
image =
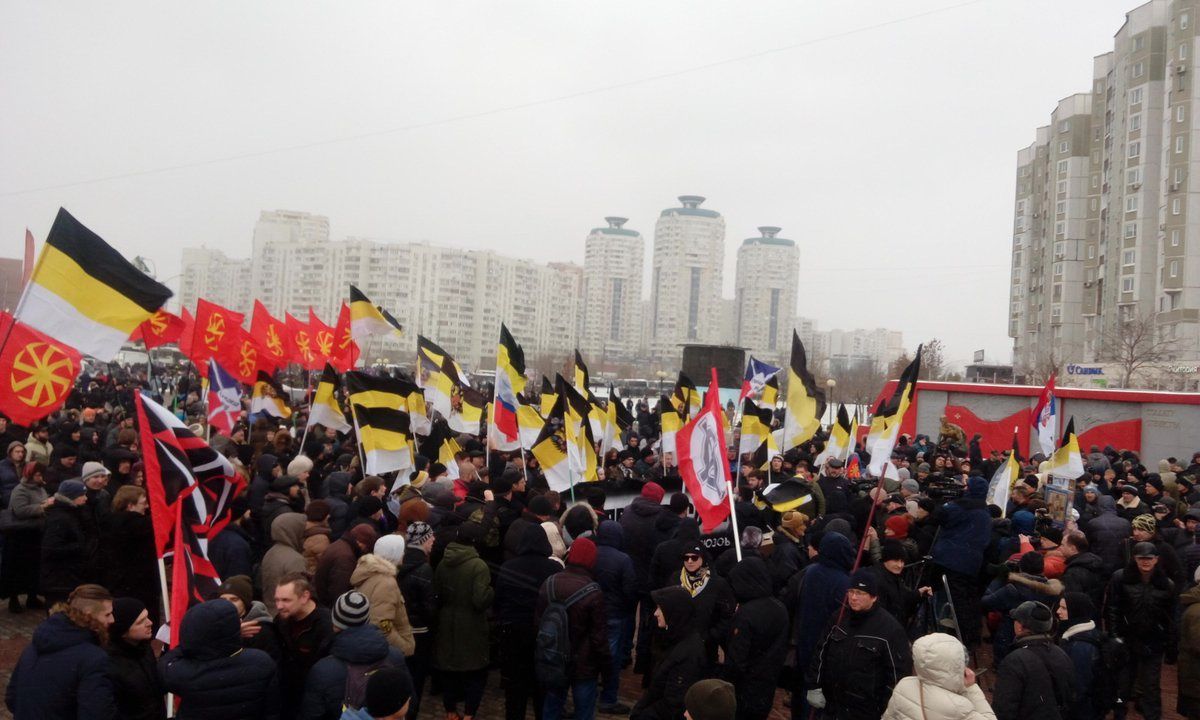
(15, 631)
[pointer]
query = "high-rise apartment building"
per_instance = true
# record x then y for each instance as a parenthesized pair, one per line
(685, 292)
(1107, 223)
(836, 351)
(611, 321)
(765, 286)
(456, 297)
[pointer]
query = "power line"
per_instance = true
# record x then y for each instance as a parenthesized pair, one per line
(493, 111)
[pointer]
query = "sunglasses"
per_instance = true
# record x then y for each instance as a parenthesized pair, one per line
(691, 557)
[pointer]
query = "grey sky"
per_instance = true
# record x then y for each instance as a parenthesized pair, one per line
(887, 153)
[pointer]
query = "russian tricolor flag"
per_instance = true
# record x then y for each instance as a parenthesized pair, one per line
(505, 409)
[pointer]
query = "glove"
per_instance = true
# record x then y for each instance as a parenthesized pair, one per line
(816, 698)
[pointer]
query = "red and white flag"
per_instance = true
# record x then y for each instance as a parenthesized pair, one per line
(700, 445)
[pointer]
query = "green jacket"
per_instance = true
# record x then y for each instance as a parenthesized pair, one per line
(462, 584)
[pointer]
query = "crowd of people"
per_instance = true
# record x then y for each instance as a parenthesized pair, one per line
(355, 596)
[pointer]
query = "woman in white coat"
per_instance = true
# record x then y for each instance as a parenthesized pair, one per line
(943, 688)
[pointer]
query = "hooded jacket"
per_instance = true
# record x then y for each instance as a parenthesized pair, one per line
(462, 584)
(680, 666)
(1081, 642)
(261, 484)
(821, 594)
(339, 504)
(966, 527)
(1106, 534)
(284, 557)
(644, 524)
(335, 569)
(211, 673)
(325, 688)
(667, 560)
(520, 578)
(614, 571)
(757, 643)
(1020, 588)
(1189, 644)
(62, 673)
(935, 690)
(416, 583)
(375, 577)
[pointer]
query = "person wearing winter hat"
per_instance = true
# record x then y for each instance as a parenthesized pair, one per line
(1082, 640)
(137, 687)
(590, 656)
(337, 680)
(415, 577)
(461, 649)
(1028, 583)
(1036, 672)
(300, 468)
(63, 565)
(894, 595)
(317, 533)
(389, 693)
(653, 492)
(1145, 530)
(941, 687)
(710, 700)
(375, 577)
(862, 658)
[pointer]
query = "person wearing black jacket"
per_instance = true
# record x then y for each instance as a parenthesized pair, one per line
(667, 559)
(415, 577)
(64, 544)
(862, 657)
(758, 643)
(645, 523)
(1085, 570)
(614, 573)
(1036, 680)
(213, 675)
(305, 632)
(681, 664)
(137, 687)
(1141, 611)
(517, 588)
(712, 598)
(130, 566)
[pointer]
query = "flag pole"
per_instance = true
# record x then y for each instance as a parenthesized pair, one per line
(737, 536)
(166, 614)
(358, 441)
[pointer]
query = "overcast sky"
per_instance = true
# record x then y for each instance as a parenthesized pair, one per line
(880, 135)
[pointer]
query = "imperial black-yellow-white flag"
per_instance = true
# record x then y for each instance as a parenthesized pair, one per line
(367, 319)
(326, 410)
(885, 423)
(841, 439)
(756, 426)
(83, 293)
(805, 401)
(383, 424)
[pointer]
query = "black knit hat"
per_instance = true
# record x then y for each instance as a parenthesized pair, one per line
(126, 611)
(388, 689)
(893, 550)
(1032, 563)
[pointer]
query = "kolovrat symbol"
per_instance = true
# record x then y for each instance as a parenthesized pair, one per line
(249, 358)
(215, 331)
(41, 374)
(347, 338)
(158, 322)
(302, 344)
(274, 344)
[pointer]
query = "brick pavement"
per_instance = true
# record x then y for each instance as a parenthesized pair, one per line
(15, 631)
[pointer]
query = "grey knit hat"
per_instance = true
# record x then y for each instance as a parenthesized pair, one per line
(418, 533)
(351, 610)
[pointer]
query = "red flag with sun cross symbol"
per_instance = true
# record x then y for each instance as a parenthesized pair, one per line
(161, 328)
(213, 332)
(36, 372)
(700, 446)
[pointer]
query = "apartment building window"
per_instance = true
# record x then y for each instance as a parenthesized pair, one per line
(1060, 248)
(1060, 207)
(1058, 269)
(1128, 257)
(1060, 228)
(1135, 148)
(1135, 122)
(1131, 204)
(1178, 175)
(1139, 43)
(1178, 144)
(1091, 252)
(1174, 268)
(1138, 69)
(1061, 186)
(1183, 51)
(1175, 237)
(1062, 167)
(1095, 181)
(1176, 206)
(1017, 258)
(1183, 20)
(1133, 176)
(1130, 230)
(1127, 284)
(1135, 97)
(1180, 113)
(1064, 126)
(1020, 207)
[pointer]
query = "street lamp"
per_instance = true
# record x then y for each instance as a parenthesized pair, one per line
(830, 384)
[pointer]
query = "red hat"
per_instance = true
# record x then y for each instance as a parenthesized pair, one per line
(653, 491)
(582, 553)
(898, 524)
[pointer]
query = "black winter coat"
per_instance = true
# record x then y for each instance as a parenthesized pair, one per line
(231, 552)
(64, 550)
(1141, 613)
(326, 685)
(678, 667)
(1106, 535)
(1036, 681)
(713, 610)
(1081, 643)
(521, 578)
(63, 673)
(614, 571)
(136, 685)
(415, 577)
(645, 525)
(758, 642)
(1085, 574)
(304, 642)
(211, 673)
(130, 562)
(859, 663)
(667, 560)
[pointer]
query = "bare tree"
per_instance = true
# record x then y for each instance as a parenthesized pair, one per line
(1135, 343)
(933, 360)
(896, 369)
(858, 384)
(1046, 363)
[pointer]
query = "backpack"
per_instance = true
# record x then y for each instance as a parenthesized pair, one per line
(355, 692)
(552, 648)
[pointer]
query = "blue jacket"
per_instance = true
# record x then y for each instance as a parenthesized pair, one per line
(63, 673)
(1081, 643)
(966, 530)
(211, 673)
(230, 552)
(614, 571)
(326, 685)
(823, 590)
(9, 479)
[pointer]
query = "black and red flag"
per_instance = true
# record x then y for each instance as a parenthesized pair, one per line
(191, 488)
